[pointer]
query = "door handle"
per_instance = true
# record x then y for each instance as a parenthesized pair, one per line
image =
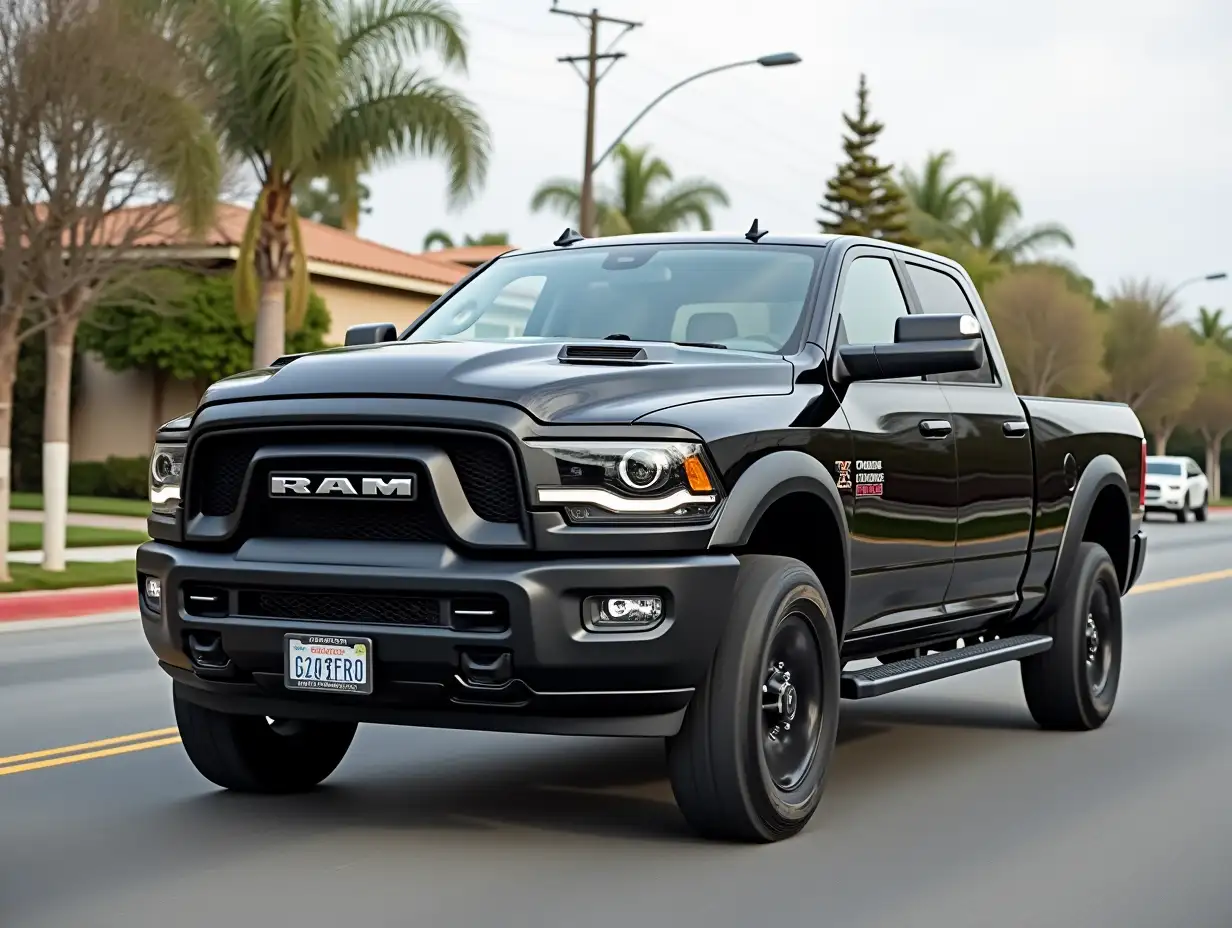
(935, 428)
(1015, 428)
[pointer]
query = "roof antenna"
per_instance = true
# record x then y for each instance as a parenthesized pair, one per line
(755, 234)
(568, 237)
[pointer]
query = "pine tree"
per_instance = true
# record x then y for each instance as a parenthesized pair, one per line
(862, 197)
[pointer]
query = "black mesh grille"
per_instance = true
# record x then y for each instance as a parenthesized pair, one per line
(373, 608)
(345, 520)
(484, 467)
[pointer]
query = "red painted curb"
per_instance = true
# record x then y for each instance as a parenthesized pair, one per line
(64, 604)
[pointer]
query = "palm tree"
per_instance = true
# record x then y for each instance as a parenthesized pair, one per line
(318, 88)
(992, 225)
(940, 202)
(1211, 329)
(445, 240)
(332, 204)
(640, 203)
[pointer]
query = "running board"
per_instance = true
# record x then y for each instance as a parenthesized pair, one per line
(889, 678)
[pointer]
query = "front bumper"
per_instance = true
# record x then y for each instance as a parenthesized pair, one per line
(564, 679)
(1137, 560)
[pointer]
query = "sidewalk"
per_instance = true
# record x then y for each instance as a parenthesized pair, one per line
(94, 520)
(101, 553)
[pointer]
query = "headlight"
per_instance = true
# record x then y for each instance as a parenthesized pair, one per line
(630, 482)
(166, 472)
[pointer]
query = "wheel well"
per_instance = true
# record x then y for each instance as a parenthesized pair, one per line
(1108, 525)
(801, 526)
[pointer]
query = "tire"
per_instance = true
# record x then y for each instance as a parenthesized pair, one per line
(1200, 512)
(248, 754)
(1062, 692)
(737, 773)
(1182, 514)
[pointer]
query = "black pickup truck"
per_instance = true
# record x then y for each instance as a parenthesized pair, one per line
(666, 486)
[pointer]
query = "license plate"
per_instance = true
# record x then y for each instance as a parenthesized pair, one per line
(327, 663)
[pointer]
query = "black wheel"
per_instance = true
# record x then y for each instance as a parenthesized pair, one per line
(251, 754)
(750, 761)
(1200, 512)
(1182, 514)
(1073, 685)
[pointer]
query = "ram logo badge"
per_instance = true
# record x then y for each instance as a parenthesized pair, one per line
(343, 486)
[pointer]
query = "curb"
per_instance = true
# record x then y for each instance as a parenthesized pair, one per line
(59, 604)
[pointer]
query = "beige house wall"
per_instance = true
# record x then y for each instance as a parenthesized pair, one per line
(115, 414)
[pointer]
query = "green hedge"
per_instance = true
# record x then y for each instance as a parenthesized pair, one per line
(123, 478)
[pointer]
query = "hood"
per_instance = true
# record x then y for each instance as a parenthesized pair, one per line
(530, 375)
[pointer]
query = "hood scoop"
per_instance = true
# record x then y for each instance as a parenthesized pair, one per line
(603, 354)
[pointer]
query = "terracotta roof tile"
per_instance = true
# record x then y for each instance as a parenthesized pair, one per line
(472, 255)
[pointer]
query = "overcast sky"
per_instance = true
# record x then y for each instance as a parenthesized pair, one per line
(1113, 117)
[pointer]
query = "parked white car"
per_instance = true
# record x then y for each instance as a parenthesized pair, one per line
(1176, 485)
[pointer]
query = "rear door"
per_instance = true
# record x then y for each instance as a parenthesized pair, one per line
(996, 482)
(904, 472)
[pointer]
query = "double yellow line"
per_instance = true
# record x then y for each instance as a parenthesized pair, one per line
(162, 737)
(90, 750)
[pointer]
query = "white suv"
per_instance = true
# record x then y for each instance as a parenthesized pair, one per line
(1176, 484)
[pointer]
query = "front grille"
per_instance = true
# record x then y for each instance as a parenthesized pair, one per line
(484, 466)
(346, 520)
(371, 608)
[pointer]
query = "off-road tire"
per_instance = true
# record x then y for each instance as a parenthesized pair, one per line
(719, 762)
(248, 754)
(1058, 686)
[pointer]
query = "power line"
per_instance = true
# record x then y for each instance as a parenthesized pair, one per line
(591, 22)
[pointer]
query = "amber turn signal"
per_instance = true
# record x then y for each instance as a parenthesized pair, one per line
(695, 472)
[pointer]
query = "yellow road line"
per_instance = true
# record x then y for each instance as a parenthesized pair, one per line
(89, 755)
(88, 746)
(1181, 581)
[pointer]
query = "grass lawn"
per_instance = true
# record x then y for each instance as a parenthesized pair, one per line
(99, 505)
(28, 536)
(79, 573)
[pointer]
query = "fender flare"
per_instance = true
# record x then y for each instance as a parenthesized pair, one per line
(1103, 471)
(770, 479)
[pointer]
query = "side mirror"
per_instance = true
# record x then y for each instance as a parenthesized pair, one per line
(923, 344)
(370, 333)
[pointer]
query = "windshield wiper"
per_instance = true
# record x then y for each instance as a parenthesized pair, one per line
(700, 345)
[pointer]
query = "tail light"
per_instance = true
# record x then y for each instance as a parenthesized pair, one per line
(1142, 477)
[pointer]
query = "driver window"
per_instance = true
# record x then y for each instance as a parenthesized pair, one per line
(870, 300)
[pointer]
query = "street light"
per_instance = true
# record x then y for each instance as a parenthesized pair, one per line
(1217, 275)
(778, 60)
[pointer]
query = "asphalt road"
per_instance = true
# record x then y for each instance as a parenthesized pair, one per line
(946, 806)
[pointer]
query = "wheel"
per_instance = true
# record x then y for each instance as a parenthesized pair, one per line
(1182, 514)
(1073, 685)
(250, 754)
(1200, 512)
(750, 760)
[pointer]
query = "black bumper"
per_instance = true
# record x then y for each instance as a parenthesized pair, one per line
(1137, 559)
(565, 679)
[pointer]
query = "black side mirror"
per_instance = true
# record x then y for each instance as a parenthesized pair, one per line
(371, 333)
(923, 344)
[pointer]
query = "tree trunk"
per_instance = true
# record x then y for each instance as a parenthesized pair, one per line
(158, 389)
(60, 337)
(1215, 451)
(9, 350)
(1162, 434)
(270, 336)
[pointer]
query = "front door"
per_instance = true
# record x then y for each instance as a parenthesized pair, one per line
(996, 481)
(904, 473)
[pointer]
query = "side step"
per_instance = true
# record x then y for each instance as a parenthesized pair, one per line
(889, 678)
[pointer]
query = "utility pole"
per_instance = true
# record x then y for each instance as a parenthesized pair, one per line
(591, 22)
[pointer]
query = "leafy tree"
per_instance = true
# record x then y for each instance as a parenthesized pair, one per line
(1155, 295)
(1152, 366)
(1052, 337)
(940, 202)
(320, 89)
(1210, 415)
(184, 327)
(862, 198)
(325, 200)
(445, 240)
(639, 202)
(992, 225)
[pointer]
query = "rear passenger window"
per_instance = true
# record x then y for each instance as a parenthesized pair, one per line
(870, 301)
(941, 294)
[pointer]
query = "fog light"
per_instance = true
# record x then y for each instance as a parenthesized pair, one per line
(622, 613)
(154, 591)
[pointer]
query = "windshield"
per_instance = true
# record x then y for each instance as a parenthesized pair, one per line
(749, 297)
(1165, 468)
